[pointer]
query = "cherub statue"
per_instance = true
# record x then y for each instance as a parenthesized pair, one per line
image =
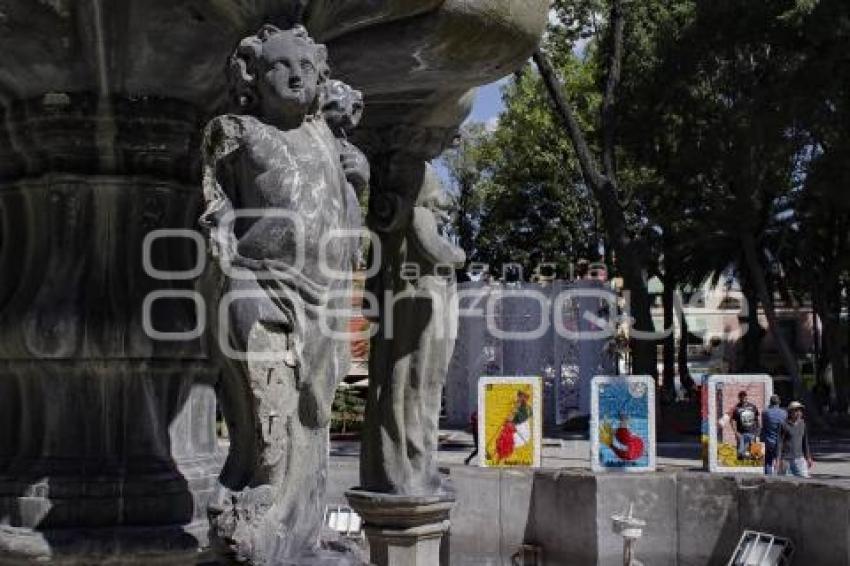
(274, 186)
(407, 370)
(342, 108)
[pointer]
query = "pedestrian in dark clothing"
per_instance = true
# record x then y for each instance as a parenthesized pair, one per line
(794, 443)
(771, 427)
(473, 428)
(745, 423)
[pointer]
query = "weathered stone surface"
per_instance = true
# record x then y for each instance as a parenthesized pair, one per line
(102, 108)
(283, 289)
(342, 109)
(654, 499)
(814, 516)
(709, 527)
(515, 494)
(692, 518)
(103, 427)
(476, 512)
(409, 357)
(151, 47)
(572, 496)
(404, 529)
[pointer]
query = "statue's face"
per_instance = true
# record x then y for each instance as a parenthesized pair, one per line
(343, 106)
(289, 79)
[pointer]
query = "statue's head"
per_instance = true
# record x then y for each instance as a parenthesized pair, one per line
(277, 75)
(342, 106)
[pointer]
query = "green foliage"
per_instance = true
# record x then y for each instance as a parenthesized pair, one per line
(530, 204)
(348, 410)
(701, 111)
(732, 125)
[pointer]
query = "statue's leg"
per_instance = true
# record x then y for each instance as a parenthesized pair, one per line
(259, 397)
(433, 344)
(295, 522)
(277, 407)
(407, 369)
(384, 462)
(278, 517)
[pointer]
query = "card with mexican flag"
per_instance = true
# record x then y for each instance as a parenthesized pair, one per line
(510, 421)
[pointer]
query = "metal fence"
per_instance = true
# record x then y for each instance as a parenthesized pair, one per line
(501, 333)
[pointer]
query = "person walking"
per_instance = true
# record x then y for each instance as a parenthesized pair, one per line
(473, 428)
(794, 443)
(745, 423)
(771, 427)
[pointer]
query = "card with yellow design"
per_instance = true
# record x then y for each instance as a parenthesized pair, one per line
(510, 421)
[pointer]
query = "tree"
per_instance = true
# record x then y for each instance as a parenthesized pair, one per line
(817, 259)
(349, 408)
(518, 195)
(722, 114)
(600, 176)
(709, 139)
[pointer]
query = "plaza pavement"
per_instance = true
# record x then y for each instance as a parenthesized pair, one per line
(832, 455)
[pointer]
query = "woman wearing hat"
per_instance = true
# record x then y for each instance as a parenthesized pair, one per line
(794, 442)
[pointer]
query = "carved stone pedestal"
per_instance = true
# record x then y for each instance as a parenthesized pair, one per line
(405, 530)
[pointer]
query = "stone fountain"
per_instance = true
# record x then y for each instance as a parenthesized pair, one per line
(108, 376)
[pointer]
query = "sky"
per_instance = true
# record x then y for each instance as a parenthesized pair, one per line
(488, 103)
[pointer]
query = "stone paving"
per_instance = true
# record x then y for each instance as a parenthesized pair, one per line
(832, 455)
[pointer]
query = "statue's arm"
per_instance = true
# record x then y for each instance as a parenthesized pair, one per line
(222, 139)
(356, 166)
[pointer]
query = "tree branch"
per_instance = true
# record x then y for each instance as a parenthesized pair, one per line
(604, 188)
(604, 182)
(565, 112)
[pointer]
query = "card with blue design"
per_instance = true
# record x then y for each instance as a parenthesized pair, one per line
(622, 427)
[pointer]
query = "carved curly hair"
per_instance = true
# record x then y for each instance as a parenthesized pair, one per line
(341, 105)
(242, 68)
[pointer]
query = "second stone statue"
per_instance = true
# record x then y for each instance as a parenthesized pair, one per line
(280, 216)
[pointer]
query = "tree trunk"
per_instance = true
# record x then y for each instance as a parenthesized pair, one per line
(834, 344)
(643, 344)
(669, 342)
(754, 267)
(830, 315)
(751, 341)
(844, 383)
(684, 371)
(817, 337)
(465, 228)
